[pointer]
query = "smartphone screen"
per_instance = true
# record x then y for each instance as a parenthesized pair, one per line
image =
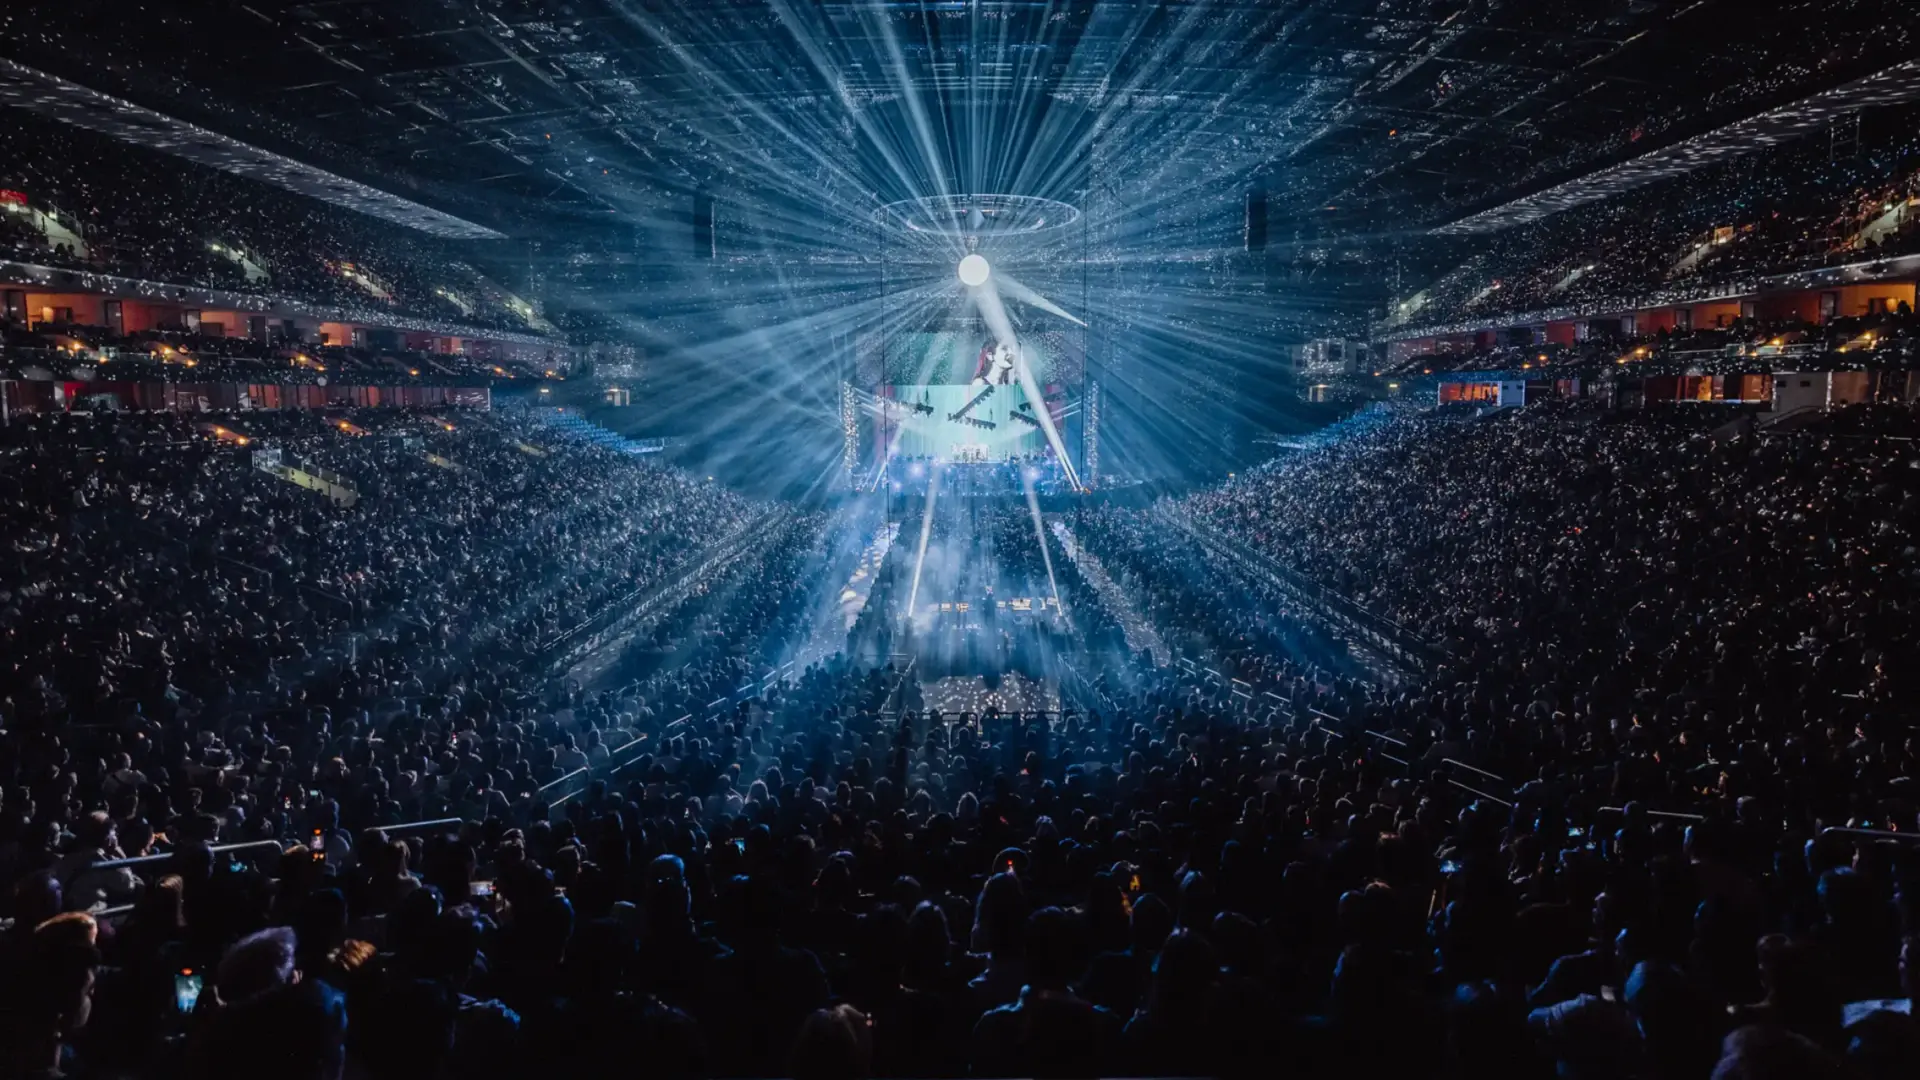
(482, 889)
(186, 991)
(318, 845)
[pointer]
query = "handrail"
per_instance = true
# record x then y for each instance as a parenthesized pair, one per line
(415, 826)
(1656, 813)
(623, 765)
(142, 860)
(613, 763)
(1877, 834)
(1482, 794)
(1383, 737)
(560, 780)
(1479, 771)
(1400, 637)
(642, 597)
(900, 683)
(1771, 419)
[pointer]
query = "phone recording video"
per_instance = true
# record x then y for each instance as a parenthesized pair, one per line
(186, 991)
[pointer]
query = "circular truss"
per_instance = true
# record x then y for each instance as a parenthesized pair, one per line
(977, 216)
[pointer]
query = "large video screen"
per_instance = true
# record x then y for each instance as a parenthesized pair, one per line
(962, 358)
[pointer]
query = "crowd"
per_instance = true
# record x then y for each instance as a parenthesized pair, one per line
(1889, 341)
(1788, 209)
(49, 350)
(1204, 607)
(990, 595)
(188, 603)
(141, 213)
(1851, 39)
(1587, 839)
(913, 474)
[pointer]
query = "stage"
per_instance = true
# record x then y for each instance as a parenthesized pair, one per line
(971, 411)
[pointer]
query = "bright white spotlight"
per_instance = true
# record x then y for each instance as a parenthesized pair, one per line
(974, 271)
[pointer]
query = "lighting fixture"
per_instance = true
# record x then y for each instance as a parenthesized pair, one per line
(975, 270)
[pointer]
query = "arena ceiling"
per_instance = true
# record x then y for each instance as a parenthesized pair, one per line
(1360, 116)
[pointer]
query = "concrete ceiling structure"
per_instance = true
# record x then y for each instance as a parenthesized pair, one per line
(1360, 115)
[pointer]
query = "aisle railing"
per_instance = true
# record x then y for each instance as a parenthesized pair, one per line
(218, 849)
(276, 846)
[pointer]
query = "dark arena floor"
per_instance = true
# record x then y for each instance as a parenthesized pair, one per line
(885, 539)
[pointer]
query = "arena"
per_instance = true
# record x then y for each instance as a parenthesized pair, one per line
(863, 539)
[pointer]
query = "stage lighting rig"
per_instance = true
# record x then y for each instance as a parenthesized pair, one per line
(968, 407)
(901, 409)
(1052, 399)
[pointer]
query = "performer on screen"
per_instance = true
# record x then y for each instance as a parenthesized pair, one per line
(995, 365)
